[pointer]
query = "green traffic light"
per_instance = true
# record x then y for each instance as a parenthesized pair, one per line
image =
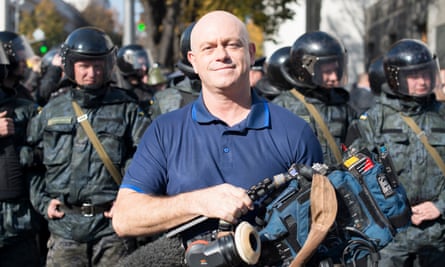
(43, 49)
(141, 26)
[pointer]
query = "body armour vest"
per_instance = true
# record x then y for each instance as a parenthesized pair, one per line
(12, 184)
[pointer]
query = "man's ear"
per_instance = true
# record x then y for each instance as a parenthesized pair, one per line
(191, 58)
(252, 51)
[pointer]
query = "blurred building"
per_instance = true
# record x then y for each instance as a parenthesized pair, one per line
(436, 29)
(390, 21)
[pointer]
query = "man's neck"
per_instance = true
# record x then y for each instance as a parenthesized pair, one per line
(231, 108)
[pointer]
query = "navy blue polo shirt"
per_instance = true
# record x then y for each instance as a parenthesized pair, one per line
(189, 149)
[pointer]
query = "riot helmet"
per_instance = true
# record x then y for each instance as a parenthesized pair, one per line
(315, 58)
(184, 45)
(376, 75)
(47, 59)
(16, 48)
(132, 60)
(155, 76)
(88, 43)
(4, 61)
(411, 69)
(3, 57)
(274, 65)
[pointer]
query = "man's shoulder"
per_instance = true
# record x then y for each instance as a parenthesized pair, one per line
(118, 95)
(283, 115)
(286, 99)
(176, 116)
(59, 99)
(18, 101)
(167, 92)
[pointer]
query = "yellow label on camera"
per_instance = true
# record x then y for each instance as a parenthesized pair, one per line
(348, 163)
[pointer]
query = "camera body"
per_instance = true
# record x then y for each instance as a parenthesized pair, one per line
(228, 249)
(243, 245)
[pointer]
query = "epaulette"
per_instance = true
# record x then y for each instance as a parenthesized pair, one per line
(39, 108)
(364, 116)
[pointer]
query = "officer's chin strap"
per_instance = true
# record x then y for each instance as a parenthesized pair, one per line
(323, 212)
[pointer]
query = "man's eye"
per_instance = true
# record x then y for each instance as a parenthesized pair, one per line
(235, 44)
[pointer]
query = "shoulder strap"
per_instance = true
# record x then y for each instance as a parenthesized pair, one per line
(421, 135)
(323, 209)
(324, 128)
(83, 120)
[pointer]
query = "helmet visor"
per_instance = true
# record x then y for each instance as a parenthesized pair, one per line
(138, 60)
(3, 58)
(22, 49)
(419, 80)
(328, 71)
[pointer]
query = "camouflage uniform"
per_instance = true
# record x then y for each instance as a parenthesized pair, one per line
(77, 176)
(176, 96)
(142, 93)
(332, 106)
(416, 169)
(18, 220)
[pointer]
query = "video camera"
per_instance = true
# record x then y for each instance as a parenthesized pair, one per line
(232, 248)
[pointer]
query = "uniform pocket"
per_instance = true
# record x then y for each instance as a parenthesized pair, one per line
(57, 143)
(111, 135)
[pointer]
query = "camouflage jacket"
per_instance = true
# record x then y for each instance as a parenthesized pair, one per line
(333, 108)
(16, 213)
(75, 173)
(176, 96)
(415, 167)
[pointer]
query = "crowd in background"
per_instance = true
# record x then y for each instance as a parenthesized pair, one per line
(57, 190)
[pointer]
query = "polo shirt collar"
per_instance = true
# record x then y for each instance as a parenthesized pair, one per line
(258, 116)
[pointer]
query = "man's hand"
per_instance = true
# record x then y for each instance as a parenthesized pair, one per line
(109, 214)
(53, 209)
(225, 201)
(424, 212)
(6, 125)
(57, 60)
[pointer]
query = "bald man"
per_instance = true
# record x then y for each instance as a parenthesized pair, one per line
(200, 160)
(440, 91)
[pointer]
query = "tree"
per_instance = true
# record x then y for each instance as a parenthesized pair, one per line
(96, 15)
(46, 18)
(165, 21)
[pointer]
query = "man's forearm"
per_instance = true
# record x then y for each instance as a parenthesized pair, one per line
(136, 214)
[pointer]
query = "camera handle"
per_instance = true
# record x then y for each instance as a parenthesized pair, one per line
(255, 192)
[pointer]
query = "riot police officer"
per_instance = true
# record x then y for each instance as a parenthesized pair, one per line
(273, 83)
(51, 74)
(18, 50)
(18, 227)
(407, 102)
(133, 65)
(184, 90)
(361, 97)
(86, 137)
(376, 75)
(317, 68)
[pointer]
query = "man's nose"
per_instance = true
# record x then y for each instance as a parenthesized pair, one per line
(221, 52)
(333, 76)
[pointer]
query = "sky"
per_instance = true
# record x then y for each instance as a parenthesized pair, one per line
(119, 6)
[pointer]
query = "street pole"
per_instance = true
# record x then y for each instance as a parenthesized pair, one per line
(4, 15)
(17, 15)
(313, 9)
(129, 27)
